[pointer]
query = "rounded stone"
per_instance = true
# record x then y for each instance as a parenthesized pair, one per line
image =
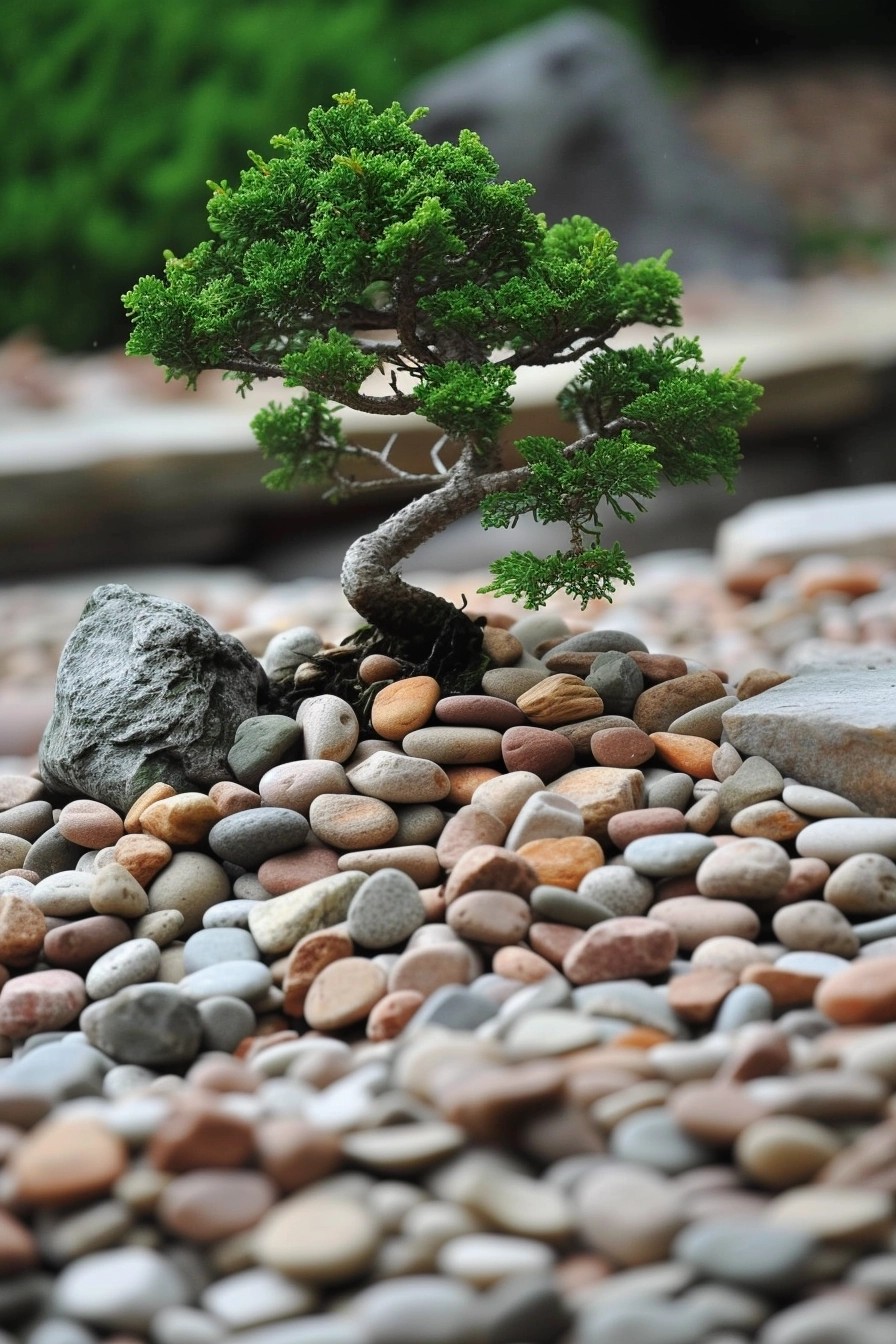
(65, 895)
(629, 1213)
(820, 803)
(617, 889)
(191, 883)
(133, 962)
(295, 784)
(205, 1205)
(225, 1021)
(40, 1001)
(321, 1237)
(672, 855)
(116, 891)
(344, 993)
(144, 856)
(629, 946)
(385, 910)
(249, 837)
(545, 815)
(563, 862)
(90, 824)
(617, 679)
(491, 917)
(183, 819)
(120, 1289)
(864, 885)
(537, 751)
(352, 822)
(779, 1151)
(815, 926)
(622, 747)
(76, 944)
(478, 711)
(454, 746)
(151, 1025)
(404, 706)
(209, 946)
(560, 698)
(659, 706)
(748, 869)
(230, 798)
(490, 867)
(261, 742)
(470, 825)
(697, 918)
(395, 778)
(66, 1161)
(865, 992)
(839, 838)
(655, 1139)
(242, 978)
(330, 728)
(22, 930)
(752, 1253)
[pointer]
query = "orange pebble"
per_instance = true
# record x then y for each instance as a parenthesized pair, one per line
(563, 862)
(154, 794)
(641, 1038)
(185, 819)
(143, 856)
(392, 1014)
(403, 706)
(681, 751)
(521, 963)
(465, 780)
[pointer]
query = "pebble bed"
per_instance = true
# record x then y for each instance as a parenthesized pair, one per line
(533, 1015)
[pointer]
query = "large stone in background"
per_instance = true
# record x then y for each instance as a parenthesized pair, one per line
(571, 105)
(147, 690)
(830, 725)
(855, 522)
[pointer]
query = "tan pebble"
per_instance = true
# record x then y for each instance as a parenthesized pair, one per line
(855, 1216)
(22, 930)
(222, 1073)
(144, 856)
(330, 728)
(449, 745)
(563, 862)
(391, 1014)
(344, 993)
(492, 917)
(493, 868)
(154, 794)
(319, 1237)
(404, 706)
(771, 819)
(629, 946)
(90, 824)
(749, 869)
(553, 941)
(421, 862)
(295, 1153)
(698, 995)
(348, 821)
(625, 827)
(230, 797)
(200, 1134)
(504, 795)
(19, 1250)
(298, 868)
(561, 698)
(726, 761)
(523, 1206)
(521, 963)
(470, 826)
(600, 792)
(395, 778)
(815, 926)
(760, 1052)
(779, 1151)
(757, 680)
(18, 789)
(464, 780)
(294, 784)
(788, 988)
(433, 899)
(714, 1112)
(205, 1206)
(698, 918)
(162, 926)
(425, 969)
(691, 755)
(703, 815)
(490, 1102)
(660, 705)
(185, 819)
(502, 648)
(579, 664)
(607, 1113)
(806, 877)
(863, 885)
(625, 747)
(116, 891)
(64, 1161)
(378, 667)
(307, 959)
(864, 992)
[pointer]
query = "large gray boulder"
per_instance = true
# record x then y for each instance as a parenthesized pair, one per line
(572, 105)
(146, 690)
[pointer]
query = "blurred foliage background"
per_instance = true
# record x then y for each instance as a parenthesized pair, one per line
(113, 115)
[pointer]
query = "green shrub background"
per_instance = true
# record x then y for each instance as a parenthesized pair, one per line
(115, 114)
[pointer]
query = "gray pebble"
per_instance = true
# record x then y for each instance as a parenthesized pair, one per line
(225, 1021)
(52, 853)
(601, 641)
(242, 979)
(259, 833)
(454, 1007)
(29, 821)
(658, 1322)
(654, 1138)
(260, 744)
(57, 1330)
(751, 1252)
(618, 889)
(672, 855)
(524, 1306)
(618, 681)
(233, 914)
(537, 628)
(154, 1025)
(131, 963)
(668, 788)
(873, 930)
(756, 781)
(745, 1003)
(247, 887)
(385, 910)
(191, 883)
(120, 1289)
(65, 894)
(208, 946)
(288, 648)
(559, 905)
(58, 1070)
(93, 1228)
(254, 1296)
(632, 1001)
(422, 1309)
(705, 720)
(329, 1329)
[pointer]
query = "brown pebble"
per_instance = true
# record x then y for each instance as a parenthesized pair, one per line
(521, 963)
(659, 706)
(77, 944)
(560, 698)
(307, 959)
(864, 992)
(229, 798)
(501, 647)
(378, 667)
(576, 663)
(144, 856)
(297, 867)
(479, 711)
(762, 1052)
(19, 1250)
(631, 825)
(40, 1001)
(686, 753)
(154, 794)
(222, 1073)
(470, 826)
(697, 996)
(770, 819)
(18, 789)
(22, 930)
(489, 867)
(553, 941)
(696, 918)
(295, 1153)
(295, 784)
(622, 746)
(391, 1014)
(563, 862)
(344, 993)
(600, 792)
(489, 1103)
(90, 824)
(464, 780)
(807, 875)
(627, 947)
(788, 988)
(205, 1206)
(657, 667)
(198, 1133)
(185, 819)
(491, 917)
(537, 750)
(403, 706)
(756, 681)
(66, 1160)
(714, 1112)
(425, 968)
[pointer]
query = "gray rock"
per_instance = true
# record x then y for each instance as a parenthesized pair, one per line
(209, 946)
(385, 910)
(28, 820)
(226, 1020)
(570, 104)
(260, 743)
(250, 837)
(146, 691)
(831, 726)
(52, 853)
(120, 1289)
(617, 679)
(152, 1024)
(751, 1252)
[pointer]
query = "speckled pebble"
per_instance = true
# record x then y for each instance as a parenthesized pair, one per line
(745, 869)
(385, 910)
(249, 837)
(131, 963)
(863, 886)
(673, 855)
(330, 728)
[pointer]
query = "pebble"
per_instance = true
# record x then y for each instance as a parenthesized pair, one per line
(863, 886)
(659, 706)
(754, 1254)
(241, 979)
(184, 819)
(330, 728)
(537, 751)
(151, 1025)
(864, 992)
(121, 1289)
(626, 946)
(780, 1151)
(40, 1001)
(67, 1160)
(564, 862)
(320, 1236)
(560, 698)
(190, 883)
(385, 910)
(343, 993)
(600, 792)
(22, 930)
(815, 926)
(350, 822)
(544, 815)
(746, 869)
(837, 838)
(204, 1206)
(249, 837)
(399, 779)
(478, 711)
(144, 856)
(260, 744)
(669, 855)
(89, 824)
(496, 918)
(131, 963)
(115, 891)
(683, 752)
(617, 890)
(65, 894)
(629, 1212)
(278, 924)
(771, 819)
(813, 802)
(209, 946)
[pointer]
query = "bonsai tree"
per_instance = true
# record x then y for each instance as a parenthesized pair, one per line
(377, 271)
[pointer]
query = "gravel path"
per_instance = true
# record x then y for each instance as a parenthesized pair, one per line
(552, 1013)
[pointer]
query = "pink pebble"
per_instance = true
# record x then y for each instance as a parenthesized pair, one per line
(40, 1001)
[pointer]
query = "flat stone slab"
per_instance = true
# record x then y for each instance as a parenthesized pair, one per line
(831, 725)
(858, 521)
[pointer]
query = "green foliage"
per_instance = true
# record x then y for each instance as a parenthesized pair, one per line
(111, 113)
(358, 247)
